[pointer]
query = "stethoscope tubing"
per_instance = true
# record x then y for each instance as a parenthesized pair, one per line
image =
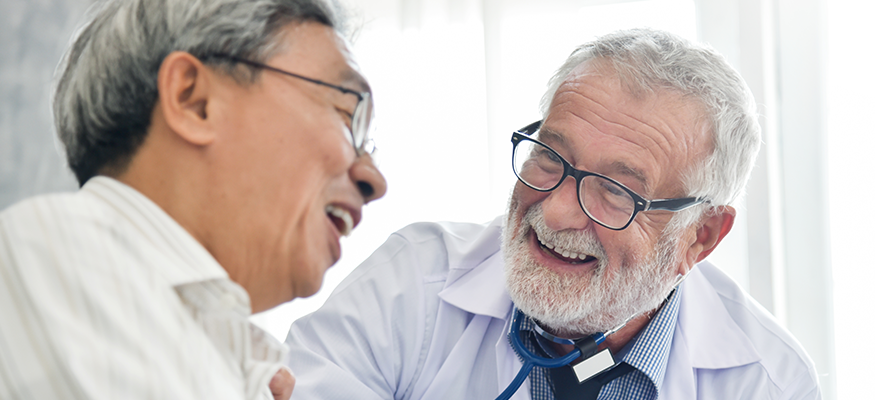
(530, 360)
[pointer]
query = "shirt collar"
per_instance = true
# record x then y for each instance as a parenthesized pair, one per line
(193, 263)
(649, 351)
(219, 305)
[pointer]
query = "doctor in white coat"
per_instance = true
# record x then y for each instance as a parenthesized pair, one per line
(624, 188)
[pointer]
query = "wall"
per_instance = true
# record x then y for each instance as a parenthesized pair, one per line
(33, 36)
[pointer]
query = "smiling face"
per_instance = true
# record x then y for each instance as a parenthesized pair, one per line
(563, 269)
(287, 184)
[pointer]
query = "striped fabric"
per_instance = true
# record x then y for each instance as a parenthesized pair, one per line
(647, 353)
(104, 296)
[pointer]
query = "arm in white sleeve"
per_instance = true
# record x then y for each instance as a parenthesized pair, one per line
(368, 341)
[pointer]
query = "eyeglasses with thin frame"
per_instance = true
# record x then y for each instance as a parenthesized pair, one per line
(607, 202)
(360, 125)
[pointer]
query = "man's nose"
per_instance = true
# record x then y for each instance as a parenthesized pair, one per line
(562, 208)
(369, 180)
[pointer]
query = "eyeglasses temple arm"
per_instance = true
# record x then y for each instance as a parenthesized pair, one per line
(530, 128)
(675, 204)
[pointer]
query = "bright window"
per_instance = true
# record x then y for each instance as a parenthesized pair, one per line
(851, 140)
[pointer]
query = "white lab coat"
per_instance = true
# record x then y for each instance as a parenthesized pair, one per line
(427, 316)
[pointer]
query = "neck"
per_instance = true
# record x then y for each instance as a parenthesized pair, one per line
(179, 178)
(154, 172)
(619, 339)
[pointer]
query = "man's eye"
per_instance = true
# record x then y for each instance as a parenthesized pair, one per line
(347, 116)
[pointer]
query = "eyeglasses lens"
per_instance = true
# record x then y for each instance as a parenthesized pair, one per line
(605, 201)
(537, 166)
(542, 169)
(361, 123)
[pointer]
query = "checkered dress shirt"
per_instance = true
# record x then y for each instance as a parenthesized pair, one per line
(647, 353)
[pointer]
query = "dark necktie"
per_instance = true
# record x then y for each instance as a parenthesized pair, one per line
(566, 386)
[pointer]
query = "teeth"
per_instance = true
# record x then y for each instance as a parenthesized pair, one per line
(563, 252)
(547, 245)
(344, 216)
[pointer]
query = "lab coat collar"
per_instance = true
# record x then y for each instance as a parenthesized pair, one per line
(706, 337)
(475, 285)
(476, 267)
(713, 338)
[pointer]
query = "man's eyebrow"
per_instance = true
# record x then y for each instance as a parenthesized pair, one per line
(547, 135)
(630, 171)
(350, 76)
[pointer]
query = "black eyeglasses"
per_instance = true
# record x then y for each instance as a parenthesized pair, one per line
(607, 202)
(359, 129)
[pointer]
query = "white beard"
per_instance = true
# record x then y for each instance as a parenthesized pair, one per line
(581, 304)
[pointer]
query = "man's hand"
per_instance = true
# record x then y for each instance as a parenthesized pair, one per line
(281, 384)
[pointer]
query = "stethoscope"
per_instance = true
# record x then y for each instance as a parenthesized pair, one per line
(584, 348)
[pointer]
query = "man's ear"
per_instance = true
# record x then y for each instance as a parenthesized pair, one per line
(184, 89)
(709, 234)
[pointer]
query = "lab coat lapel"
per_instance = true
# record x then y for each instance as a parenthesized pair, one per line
(467, 251)
(705, 337)
(477, 286)
(480, 290)
(680, 380)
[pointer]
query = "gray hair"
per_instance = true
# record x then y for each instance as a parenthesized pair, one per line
(647, 61)
(108, 78)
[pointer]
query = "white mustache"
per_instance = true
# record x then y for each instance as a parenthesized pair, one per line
(579, 242)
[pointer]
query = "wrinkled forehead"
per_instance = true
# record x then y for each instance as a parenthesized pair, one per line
(653, 135)
(631, 93)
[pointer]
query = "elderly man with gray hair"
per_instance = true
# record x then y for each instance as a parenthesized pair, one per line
(594, 285)
(222, 148)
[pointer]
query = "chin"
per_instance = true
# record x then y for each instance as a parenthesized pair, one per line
(582, 303)
(311, 285)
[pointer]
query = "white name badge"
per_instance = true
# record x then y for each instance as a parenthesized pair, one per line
(592, 366)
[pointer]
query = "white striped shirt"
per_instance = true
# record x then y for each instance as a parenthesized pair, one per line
(104, 296)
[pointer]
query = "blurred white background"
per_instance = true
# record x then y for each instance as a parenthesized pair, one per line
(453, 78)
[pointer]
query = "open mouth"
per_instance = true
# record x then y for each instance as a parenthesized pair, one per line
(341, 218)
(563, 254)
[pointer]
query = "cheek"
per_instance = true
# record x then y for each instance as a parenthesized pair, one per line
(520, 201)
(317, 159)
(524, 197)
(653, 222)
(626, 248)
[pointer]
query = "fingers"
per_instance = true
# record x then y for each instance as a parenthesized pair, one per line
(282, 384)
